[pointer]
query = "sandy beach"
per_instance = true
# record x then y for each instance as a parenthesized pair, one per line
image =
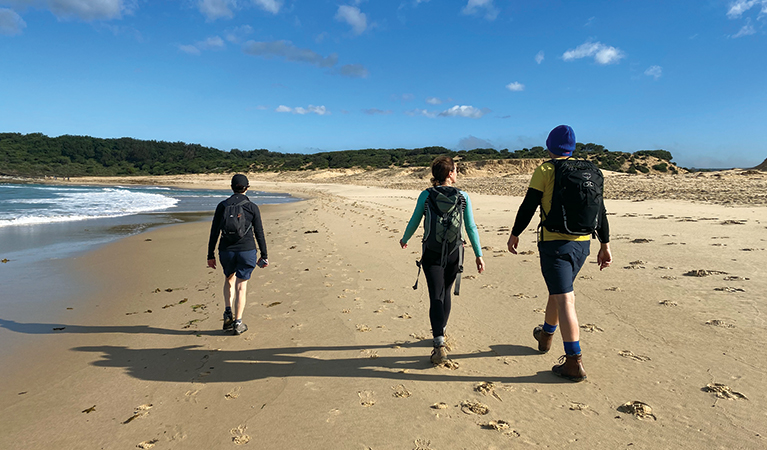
(337, 355)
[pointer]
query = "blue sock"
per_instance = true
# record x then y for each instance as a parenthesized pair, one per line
(549, 328)
(573, 348)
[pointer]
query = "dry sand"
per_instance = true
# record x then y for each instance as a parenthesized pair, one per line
(337, 352)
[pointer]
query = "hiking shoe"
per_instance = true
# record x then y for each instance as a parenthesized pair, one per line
(570, 367)
(228, 321)
(439, 355)
(239, 328)
(544, 339)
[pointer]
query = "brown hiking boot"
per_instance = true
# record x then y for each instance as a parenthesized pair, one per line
(544, 339)
(570, 367)
(439, 355)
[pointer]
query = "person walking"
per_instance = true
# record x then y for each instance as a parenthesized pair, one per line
(237, 221)
(444, 208)
(569, 193)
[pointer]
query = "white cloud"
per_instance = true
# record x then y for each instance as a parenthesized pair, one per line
(216, 9)
(421, 112)
(746, 30)
(86, 10)
(354, 17)
(286, 49)
(211, 43)
(237, 34)
(376, 111)
(189, 49)
(311, 109)
(353, 71)
(464, 111)
(515, 86)
(739, 7)
(434, 101)
(539, 57)
(602, 54)
(272, 6)
(476, 7)
(654, 71)
(10, 22)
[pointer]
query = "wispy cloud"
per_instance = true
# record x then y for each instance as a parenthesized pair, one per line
(216, 9)
(464, 111)
(10, 22)
(434, 101)
(602, 54)
(515, 86)
(353, 71)
(354, 17)
(311, 109)
(286, 49)
(746, 30)
(211, 43)
(87, 10)
(272, 6)
(376, 111)
(404, 98)
(739, 7)
(539, 57)
(238, 34)
(421, 112)
(654, 71)
(478, 7)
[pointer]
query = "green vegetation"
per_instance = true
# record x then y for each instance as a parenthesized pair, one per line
(36, 155)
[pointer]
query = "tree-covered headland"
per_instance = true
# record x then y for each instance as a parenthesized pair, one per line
(37, 155)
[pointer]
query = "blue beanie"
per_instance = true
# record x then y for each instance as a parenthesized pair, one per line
(561, 141)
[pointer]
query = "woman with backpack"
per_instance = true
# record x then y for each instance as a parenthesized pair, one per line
(444, 209)
(569, 193)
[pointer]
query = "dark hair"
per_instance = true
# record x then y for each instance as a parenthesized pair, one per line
(440, 169)
(239, 189)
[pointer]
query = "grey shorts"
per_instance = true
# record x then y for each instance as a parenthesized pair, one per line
(560, 263)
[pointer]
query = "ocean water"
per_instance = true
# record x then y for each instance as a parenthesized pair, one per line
(43, 224)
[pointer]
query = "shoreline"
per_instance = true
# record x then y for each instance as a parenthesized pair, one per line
(338, 343)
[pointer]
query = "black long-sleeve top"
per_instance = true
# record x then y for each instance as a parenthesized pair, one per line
(530, 205)
(245, 243)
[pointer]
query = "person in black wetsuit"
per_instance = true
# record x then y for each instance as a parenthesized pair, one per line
(237, 255)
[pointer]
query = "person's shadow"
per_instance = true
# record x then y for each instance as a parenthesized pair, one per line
(59, 328)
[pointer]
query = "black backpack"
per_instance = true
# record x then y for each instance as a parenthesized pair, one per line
(577, 202)
(234, 223)
(443, 221)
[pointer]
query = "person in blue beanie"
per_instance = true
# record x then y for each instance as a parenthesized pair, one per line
(563, 253)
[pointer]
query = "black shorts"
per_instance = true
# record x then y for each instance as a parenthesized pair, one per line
(560, 263)
(241, 263)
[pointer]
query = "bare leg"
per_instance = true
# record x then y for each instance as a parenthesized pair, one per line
(561, 307)
(242, 292)
(229, 293)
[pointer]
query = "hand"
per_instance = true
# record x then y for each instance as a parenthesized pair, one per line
(402, 244)
(212, 263)
(513, 243)
(480, 264)
(604, 257)
(262, 262)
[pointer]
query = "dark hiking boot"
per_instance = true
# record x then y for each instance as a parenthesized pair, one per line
(570, 367)
(228, 321)
(544, 339)
(439, 355)
(239, 328)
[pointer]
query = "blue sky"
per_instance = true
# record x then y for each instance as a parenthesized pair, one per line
(688, 76)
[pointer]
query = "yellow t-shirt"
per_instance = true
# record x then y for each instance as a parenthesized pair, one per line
(543, 180)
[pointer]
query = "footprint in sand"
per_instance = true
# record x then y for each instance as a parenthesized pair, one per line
(667, 303)
(366, 398)
(639, 409)
(729, 289)
(719, 323)
(238, 435)
(440, 405)
(233, 394)
(668, 277)
(400, 391)
(487, 388)
(590, 327)
(735, 278)
(363, 328)
(147, 444)
(733, 222)
(422, 444)
(632, 355)
(139, 411)
(723, 391)
(474, 407)
(502, 426)
(703, 273)
(614, 289)
(641, 241)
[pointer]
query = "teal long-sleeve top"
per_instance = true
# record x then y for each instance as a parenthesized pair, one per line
(468, 222)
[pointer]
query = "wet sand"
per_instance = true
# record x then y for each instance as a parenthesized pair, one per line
(338, 346)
